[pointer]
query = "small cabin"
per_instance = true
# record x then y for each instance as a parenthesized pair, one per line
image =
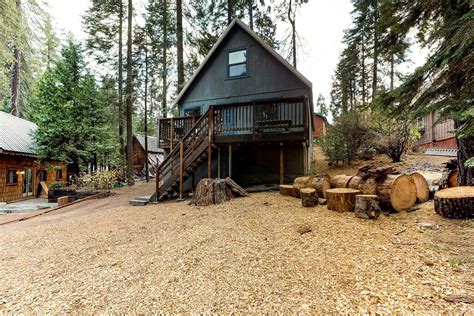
(20, 170)
(437, 138)
(246, 113)
(140, 156)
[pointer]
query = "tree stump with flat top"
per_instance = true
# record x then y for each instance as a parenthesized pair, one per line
(457, 202)
(309, 198)
(341, 199)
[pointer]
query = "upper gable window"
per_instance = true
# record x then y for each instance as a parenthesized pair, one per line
(238, 63)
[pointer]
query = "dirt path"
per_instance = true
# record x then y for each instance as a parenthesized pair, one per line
(242, 256)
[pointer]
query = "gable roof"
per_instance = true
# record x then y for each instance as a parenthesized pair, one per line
(234, 23)
(152, 143)
(16, 135)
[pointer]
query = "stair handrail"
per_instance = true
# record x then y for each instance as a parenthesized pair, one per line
(175, 152)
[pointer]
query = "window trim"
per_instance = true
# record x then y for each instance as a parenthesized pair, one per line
(61, 172)
(15, 172)
(236, 64)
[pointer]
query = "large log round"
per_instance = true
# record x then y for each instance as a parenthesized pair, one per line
(397, 192)
(321, 184)
(309, 198)
(303, 182)
(422, 187)
(457, 202)
(354, 182)
(287, 189)
(340, 181)
(341, 199)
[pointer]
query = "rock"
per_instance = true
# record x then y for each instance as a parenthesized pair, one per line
(425, 225)
(459, 299)
(304, 229)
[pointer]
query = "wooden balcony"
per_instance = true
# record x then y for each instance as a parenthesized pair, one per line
(279, 120)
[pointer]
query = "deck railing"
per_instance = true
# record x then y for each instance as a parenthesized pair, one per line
(280, 116)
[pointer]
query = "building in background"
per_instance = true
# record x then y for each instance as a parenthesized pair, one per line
(20, 170)
(319, 126)
(437, 138)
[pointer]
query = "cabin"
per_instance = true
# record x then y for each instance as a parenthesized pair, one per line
(246, 113)
(437, 138)
(154, 156)
(320, 125)
(20, 170)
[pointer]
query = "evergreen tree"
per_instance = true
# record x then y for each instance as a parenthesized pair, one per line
(321, 105)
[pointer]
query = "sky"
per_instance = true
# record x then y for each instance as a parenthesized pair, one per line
(320, 25)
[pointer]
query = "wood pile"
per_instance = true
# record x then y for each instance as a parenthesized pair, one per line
(457, 202)
(214, 191)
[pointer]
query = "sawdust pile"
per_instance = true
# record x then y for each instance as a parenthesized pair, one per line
(258, 254)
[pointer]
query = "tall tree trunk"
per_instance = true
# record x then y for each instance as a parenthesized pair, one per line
(376, 50)
(121, 110)
(291, 19)
(230, 11)
(179, 44)
(146, 110)
(465, 151)
(129, 97)
(392, 71)
(15, 94)
(251, 14)
(165, 60)
(363, 70)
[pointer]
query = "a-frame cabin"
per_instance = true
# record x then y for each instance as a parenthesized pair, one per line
(245, 113)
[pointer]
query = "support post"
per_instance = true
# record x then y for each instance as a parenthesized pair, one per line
(282, 170)
(157, 187)
(254, 118)
(181, 165)
(171, 134)
(230, 161)
(219, 162)
(209, 142)
(305, 158)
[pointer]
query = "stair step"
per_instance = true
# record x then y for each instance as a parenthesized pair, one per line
(136, 202)
(144, 198)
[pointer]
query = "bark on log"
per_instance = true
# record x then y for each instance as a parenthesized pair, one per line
(367, 206)
(422, 187)
(355, 182)
(368, 186)
(371, 171)
(321, 184)
(309, 198)
(341, 199)
(457, 202)
(235, 188)
(397, 192)
(340, 181)
(287, 189)
(303, 182)
(453, 178)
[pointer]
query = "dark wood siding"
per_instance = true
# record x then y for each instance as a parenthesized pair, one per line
(267, 78)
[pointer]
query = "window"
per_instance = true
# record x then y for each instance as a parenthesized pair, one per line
(12, 177)
(59, 175)
(238, 63)
(192, 111)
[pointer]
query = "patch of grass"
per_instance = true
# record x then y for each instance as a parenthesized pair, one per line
(457, 261)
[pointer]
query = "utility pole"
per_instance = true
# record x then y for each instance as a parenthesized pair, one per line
(146, 108)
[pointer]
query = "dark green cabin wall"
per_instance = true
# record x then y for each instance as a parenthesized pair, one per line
(267, 77)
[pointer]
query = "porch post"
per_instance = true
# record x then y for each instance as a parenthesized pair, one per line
(181, 165)
(219, 162)
(171, 134)
(282, 170)
(305, 158)
(230, 161)
(209, 141)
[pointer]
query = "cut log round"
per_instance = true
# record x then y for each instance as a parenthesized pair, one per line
(321, 184)
(354, 182)
(397, 192)
(309, 198)
(422, 187)
(368, 186)
(341, 199)
(367, 206)
(457, 202)
(303, 182)
(340, 181)
(287, 189)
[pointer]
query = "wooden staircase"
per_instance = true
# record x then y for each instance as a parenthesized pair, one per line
(192, 151)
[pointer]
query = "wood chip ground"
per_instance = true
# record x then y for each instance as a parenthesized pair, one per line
(243, 256)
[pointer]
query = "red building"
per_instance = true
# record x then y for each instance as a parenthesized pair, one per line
(438, 136)
(319, 126)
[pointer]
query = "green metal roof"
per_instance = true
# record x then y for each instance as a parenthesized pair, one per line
(16, 135)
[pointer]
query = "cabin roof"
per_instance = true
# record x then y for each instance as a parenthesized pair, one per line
(152, 143)
(16, 135)
(236, 22)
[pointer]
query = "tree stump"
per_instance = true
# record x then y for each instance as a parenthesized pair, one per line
(287, 190)
(321, 183)
(340, 181)
(422, 187)
(309, 198)
(367, 206)
(457, 202)
(397, 192)
(341, 199)
(215, 191)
